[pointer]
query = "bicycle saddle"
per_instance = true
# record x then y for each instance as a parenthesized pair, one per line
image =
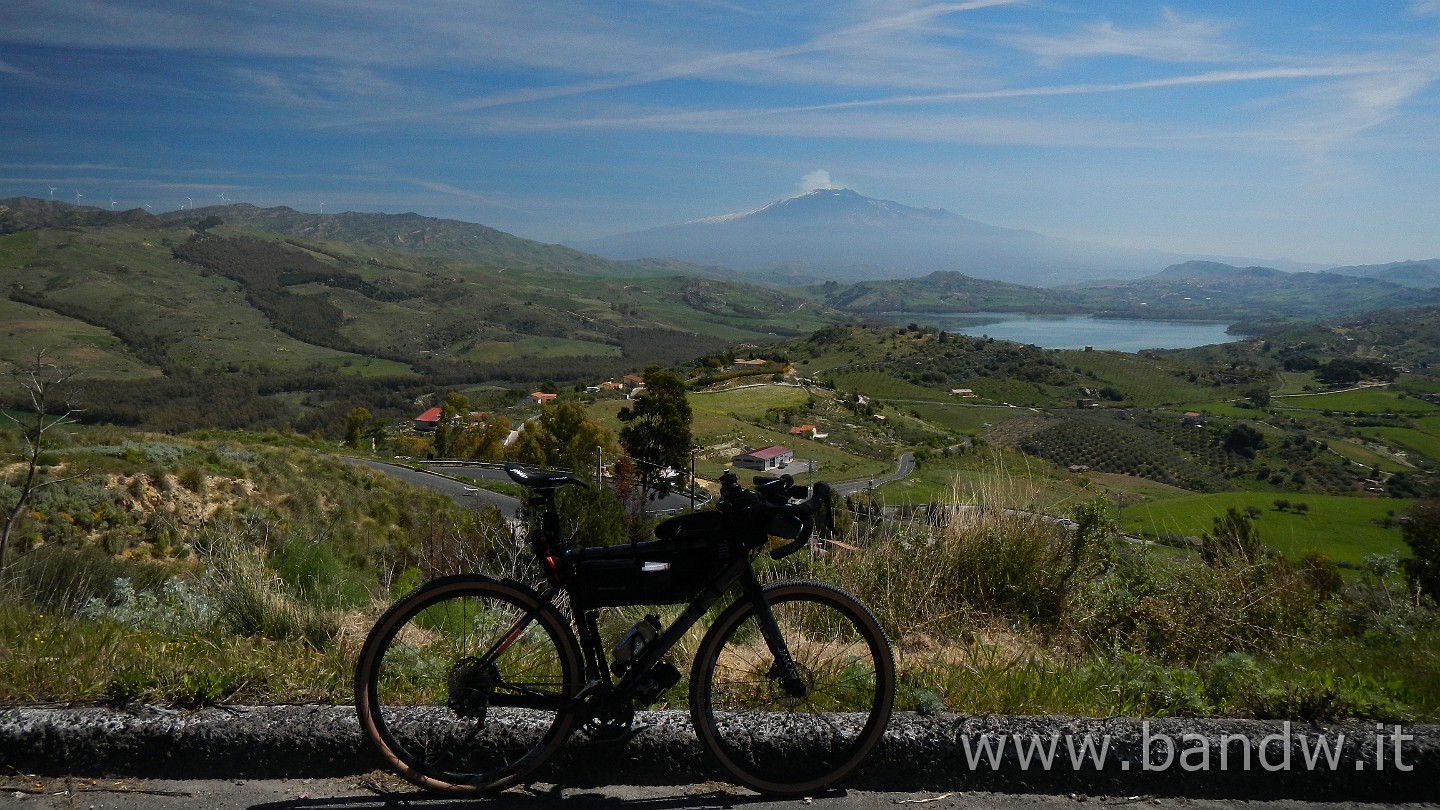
(532, 479)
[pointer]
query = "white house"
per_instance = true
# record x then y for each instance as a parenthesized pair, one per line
(766, 458)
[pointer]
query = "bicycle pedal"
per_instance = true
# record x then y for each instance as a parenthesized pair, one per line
(610, 729)
(617, 734)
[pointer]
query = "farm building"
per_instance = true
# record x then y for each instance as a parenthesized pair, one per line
(766, 458)
(427, 421)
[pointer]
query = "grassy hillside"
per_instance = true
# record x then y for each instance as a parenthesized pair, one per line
(209, 312)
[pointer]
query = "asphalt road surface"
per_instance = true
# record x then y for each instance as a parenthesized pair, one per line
(468, 495)
(380, 791)
(905, 466)
(464, 494)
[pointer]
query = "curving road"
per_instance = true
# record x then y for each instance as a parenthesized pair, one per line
(905, 467)
(471, 496)
(463, 494)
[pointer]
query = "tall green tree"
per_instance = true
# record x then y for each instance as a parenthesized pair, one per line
(657, 428)
(356, 423)
(564, 436)
(449, 434)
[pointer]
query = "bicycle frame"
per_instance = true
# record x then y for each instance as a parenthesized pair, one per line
(602, 695)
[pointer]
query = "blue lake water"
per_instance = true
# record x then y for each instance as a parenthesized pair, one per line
(1074, 331)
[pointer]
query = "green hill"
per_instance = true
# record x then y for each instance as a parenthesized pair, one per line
(207, 307)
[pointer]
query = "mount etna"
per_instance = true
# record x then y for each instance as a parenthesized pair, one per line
(840, 235)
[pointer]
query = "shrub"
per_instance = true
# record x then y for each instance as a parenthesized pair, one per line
(1184, 611)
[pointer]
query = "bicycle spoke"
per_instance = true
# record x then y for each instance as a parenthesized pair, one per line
(464, 686)
(781, 743)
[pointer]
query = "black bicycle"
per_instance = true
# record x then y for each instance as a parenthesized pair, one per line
(469, 683)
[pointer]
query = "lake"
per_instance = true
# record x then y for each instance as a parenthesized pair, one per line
(1073, 331)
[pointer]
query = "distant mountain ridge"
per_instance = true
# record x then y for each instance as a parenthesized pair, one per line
(841, 235)
(1422, 273)
(425, 236)
(404, 233)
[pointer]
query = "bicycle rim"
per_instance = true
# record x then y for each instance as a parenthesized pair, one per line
(770, 740)
(460, 692)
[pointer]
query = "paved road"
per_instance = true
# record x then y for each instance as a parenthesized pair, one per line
(905, 467)
(380, 791)
(471, 496)
(463, 494)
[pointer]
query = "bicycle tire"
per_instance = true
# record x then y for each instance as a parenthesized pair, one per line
(425, 702)
(783, 745)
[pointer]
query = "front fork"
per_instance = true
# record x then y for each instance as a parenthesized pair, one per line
(785, 668)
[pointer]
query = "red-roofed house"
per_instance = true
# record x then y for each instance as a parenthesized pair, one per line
(429, 420)
(766, 458)
(541, 398)
(803, 430)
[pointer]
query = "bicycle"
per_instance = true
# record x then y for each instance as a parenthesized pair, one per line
(468, 684)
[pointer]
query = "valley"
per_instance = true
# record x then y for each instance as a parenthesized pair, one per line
(225, 356)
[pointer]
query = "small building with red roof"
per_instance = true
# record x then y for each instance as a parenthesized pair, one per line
(766, 458)
(427, 421)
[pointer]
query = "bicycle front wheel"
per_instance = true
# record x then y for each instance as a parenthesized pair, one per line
(781, 743)
(463, 685)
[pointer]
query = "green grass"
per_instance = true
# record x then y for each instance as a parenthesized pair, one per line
(1223, 409)
(964, 418)
(1295, 382)
(1143, 380)
(885, 386)
(748, 403)
(1360, 454)
(1425, 441)
(978, 474)
(1370, 400)
(1344, 528)
(66, 341)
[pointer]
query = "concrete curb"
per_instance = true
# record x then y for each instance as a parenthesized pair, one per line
(1207, 758)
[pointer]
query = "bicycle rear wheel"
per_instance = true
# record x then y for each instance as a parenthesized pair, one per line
(463, 685)
(789, 745)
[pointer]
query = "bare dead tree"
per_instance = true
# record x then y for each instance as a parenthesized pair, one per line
(48, 387)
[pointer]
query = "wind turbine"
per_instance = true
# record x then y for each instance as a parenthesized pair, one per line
(78, 195)
(192, 203)
(322, 208)
(112, 203)
(223, 200)
(52, 190)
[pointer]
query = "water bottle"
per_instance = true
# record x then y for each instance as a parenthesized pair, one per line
(632, 645)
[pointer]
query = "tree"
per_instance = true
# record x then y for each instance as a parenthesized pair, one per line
(449, 434)
(564, 436)
(1244, 440)
(48, 387)
(356, 422)
(657, 428)
(1421, 529)
(490, 442)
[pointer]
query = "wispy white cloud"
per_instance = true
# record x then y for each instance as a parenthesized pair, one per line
(1425, 7)
(733, 65)
(453, 191)
(11, 70)
(1173, 39)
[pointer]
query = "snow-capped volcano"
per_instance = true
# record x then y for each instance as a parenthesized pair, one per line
(842, 235)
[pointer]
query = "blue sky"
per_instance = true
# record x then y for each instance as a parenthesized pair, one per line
(1265, 128)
